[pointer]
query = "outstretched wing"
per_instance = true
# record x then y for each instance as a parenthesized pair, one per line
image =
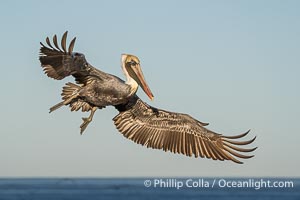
(60, 62)
(56, 62)
(176, 132)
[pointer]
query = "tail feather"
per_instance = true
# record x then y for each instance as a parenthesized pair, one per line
(53, 108)
(69, 90)
(69, 95)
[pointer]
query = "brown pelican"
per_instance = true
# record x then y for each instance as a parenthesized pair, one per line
(137, 121)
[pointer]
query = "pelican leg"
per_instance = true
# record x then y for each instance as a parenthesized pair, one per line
(86, 121)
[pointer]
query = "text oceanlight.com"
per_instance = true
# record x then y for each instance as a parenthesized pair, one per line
(218, 183)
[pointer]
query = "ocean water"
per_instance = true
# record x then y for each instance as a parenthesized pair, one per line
(149, 188)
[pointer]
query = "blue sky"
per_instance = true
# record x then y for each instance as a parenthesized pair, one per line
(234, 64)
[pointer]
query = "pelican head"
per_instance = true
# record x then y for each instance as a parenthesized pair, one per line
(133, 72)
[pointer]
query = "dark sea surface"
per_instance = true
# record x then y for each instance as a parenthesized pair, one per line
(148, 188)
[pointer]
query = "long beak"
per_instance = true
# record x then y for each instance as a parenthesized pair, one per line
(141, 81)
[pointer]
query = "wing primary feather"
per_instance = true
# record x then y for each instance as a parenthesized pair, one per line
(221, 153)
(168, 142)
(179, 142)
(43, 45)
(154, 141)
(121, 125)
(189, 144)
(140, 135)
(64, 41)
(236, 154)
(48, 42)
(122, 122)
(236, 136)
(230, 157)
(239, 149)
(192, 144)
(171, 141)
(184, 143)
(71, 46)
(195, 146)
(144, 135)
(159, 139)
(199, 147)
(219, 148)
(117, 120)
(240, 143)
(192, 152)
(209, 149)
(136, 138)
(163, 140)
(55, 43)
(175, 142)
(147, 138)
(203, 147)
(130, 132)
(132, 128)
(215, 152)
(150, 136)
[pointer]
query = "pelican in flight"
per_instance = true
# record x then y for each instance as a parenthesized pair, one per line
(152, 127)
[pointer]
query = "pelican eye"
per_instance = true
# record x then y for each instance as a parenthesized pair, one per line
(132, 63)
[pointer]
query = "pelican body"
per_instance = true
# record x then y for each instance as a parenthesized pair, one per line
(137, 121)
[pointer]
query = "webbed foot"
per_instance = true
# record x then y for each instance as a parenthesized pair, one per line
(84, 124)
(87, 120)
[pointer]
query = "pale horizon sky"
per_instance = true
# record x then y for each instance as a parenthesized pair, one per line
(234, 64)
